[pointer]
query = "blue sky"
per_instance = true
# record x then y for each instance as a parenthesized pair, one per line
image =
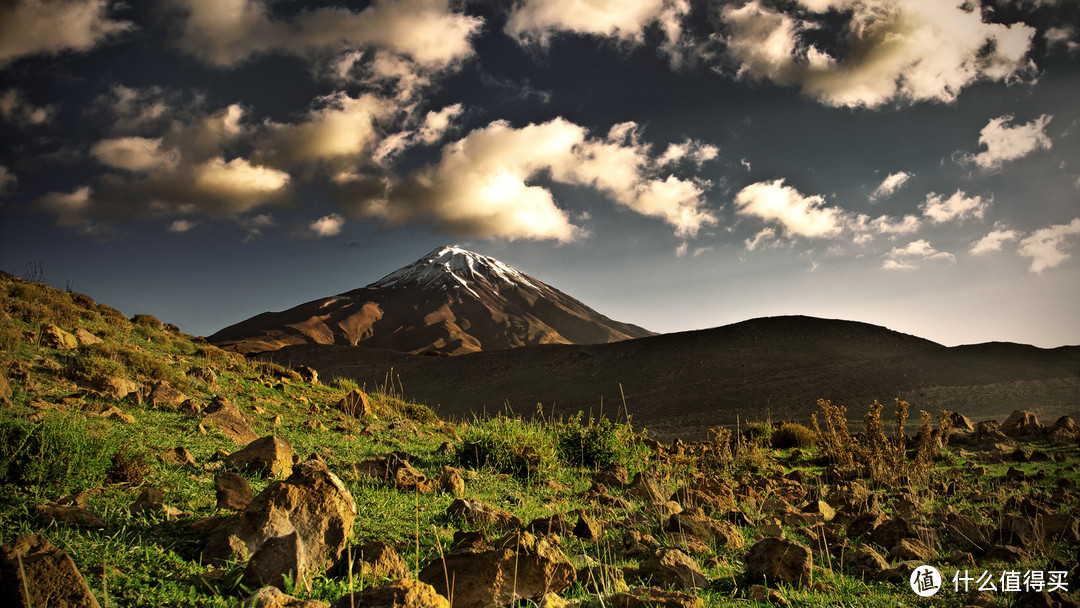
(672, 163)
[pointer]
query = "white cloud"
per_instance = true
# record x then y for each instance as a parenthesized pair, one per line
(535, 21)
(905, 258)
(887, 225)
(137, 111)
(889, 185)
(69, 207)
(436, 123)
(1004, 142)
(1046, 246)
(893, 50)
(427, 32)
(179, 226)
(33, 27)
(798, 215)
(765, 234)
(993, 241)
(690, 149)
(327, 225)
(15, 109)
(134, 154)
(959, 206)
(1063, 36)
(681, 249)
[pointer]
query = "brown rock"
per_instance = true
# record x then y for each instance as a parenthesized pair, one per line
(780, 559)
(671, 568)
(1022, 423)
(865, 562)
(68, 514)
(270, 456)
(587, 527)
(822, 508)
(648, 597)
(38, 574)
(373, 561)
(308, 374)
(644, 487)
(402, 593)
(763, 595)
(277, 557)
(85, 338)
(910, 549)
(163, 394)
(709, 494)
(355, 403)
(152, 501)
(1003, 553)
(1060, 526)
(115, 387)
(864, 524)
(614, 475)
(482, 515)
(602, 580)
(694, 522)
(961, 422)
(312, 502)
(892, 531)
(272, 597)
(226, 417)
(178, 457)
(557, 524)
(203, 374)
(1043, 599)
(232, 491)
(54, 337)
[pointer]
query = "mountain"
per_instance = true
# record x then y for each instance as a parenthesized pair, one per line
(451, 302)
(682, 384)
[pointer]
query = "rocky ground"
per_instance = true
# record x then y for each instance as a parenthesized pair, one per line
(141, 467)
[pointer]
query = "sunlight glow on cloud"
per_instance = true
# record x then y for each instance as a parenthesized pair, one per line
(535, 21)
(959, 206)
(15, 109)
(180, 226)
(889, 185)
(896, 50)
(798, 215)
(1005, 142)
(32, 27)
(1046, 246)
(905, 258)
(327, 225)
(993, 241)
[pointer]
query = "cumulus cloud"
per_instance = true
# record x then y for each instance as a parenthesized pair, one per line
(796, 214)
(15, 109)
(227, 32)
(436, 123)
(892, 50)
(906, 258)
(179, 226)
(484, 184)
(327, 225)
(889, 185)
(134, 154)
(137, 111)
(1005, 142)
(993, 241)
(689, 150)
(535, 21)
(34, 27)
(1063, 36)
(1047, 246)
(959, 206)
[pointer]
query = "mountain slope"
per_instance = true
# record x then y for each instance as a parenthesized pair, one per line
(682, 384)
(451, 301)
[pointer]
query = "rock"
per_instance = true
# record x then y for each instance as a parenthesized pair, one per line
(233, 491)
(308, 374)
(37, 574)
(312, 502)
(910, 549)
(694, 522)
(1022, 423)
(178, 457)
(892, 531)
(54, 337)
(203, 374)
(709, 494)
(152, 500)
(961, 422)
(395, 467)
(163, 394)
(355, 403)
(269, 456)
(557, 524)
(482, 515)
(644, 487)
(277, 557)
(373, 561)
(225, 417)
(272, 597)
(1043, 599)
(779, 560)
(587, 527)
(402, 593)
(1018, 530)
(85, 338)
(763, 595)
(528, 569)
(822, 508)
(671, 568)
(68, 514)
(648, 597)
(614, 475)
(864, 524)
(108, 412)
(602, 580)
(865, 562)
(1003, 553)
(1060, 526)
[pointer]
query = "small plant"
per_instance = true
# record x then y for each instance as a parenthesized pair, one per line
(597, 444)
(507, 444)
(62, 453)
(793, 435)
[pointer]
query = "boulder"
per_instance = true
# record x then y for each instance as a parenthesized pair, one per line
(671, 568)
(226, 417)
(960, 422)
(152, 501)
(865, 562)
(373, 561)
(36, 574)
(312, 503)
(1022, 423)
(272, 597)
(709, 494)
(233, 492)
(1060, 526)
(355, 403)
(520, 567)
(178, 457)
(649, 597)
(614, 475)
(694, 522)
(308, 374)
(277, 557)
(163, 394)
(910, 549)
(558, 524)
(892, 531)
(270, 456)
(72, 514)
(203, 374)
(482, 515)
(85, 338)
(402, 593)
(644, 488)
(54, 337)
(587, 527)
(779, 560)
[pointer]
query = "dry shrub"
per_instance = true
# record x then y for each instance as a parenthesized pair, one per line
(793, 435)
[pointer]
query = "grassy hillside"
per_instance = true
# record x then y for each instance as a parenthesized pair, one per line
(65, 433)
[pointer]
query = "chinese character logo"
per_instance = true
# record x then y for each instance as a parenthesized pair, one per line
(925, 581)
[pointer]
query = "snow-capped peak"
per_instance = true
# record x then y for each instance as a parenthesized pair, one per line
(452, 265)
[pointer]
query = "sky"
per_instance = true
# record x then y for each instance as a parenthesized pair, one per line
(677, 164)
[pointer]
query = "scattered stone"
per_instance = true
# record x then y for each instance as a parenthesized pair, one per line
(602, 580)
(269, 456)
(373, 561)
(43, 574)
(709, 494)
(1043, 599)
(308, 374)
(108, 412)
(1060, 526)
(226, 417)
(671, 568)
(780, 560)
(892, 531)
(85, 338)
(760, 593)
(587, 527)
(203, 374)
(54, 337)
(864, 524)
(272, 597)
(614, 475)
(694, 522)
(356, 404)
(312, 502)
(961, 422)
(1022, 423)
(73, 514)
(598, 493)
(178, 457)
(402, 593)
(152, 500)
(233, 491)
(645, 488)
(910, 549)
(277, 557)
(649, 597)
(1003, 553)
(163, 394)
(482, 515)
(822, 508)
(557, 524)
(451, 482)
(866, 562)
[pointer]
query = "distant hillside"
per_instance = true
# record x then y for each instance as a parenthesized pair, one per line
(684, 383)
(451, 301)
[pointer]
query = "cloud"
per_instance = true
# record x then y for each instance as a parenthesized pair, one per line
(765, 234)
(1004, 142)
(889, 185)
(681, 249)
(905, 258)
(1046, 246)
(887, 225)
(535, 21)
(137, 111)
(436, 123)
(179, 226)
(484, 184)
(15, 109)
(7, 180)
(690, 149)
(798, 215)
(993, 241)
(1062, 36)
(69, 207)
(134, 154)
(35, 27)
(327, 225)
(228, 32)
(959, 206)
(890, 50)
